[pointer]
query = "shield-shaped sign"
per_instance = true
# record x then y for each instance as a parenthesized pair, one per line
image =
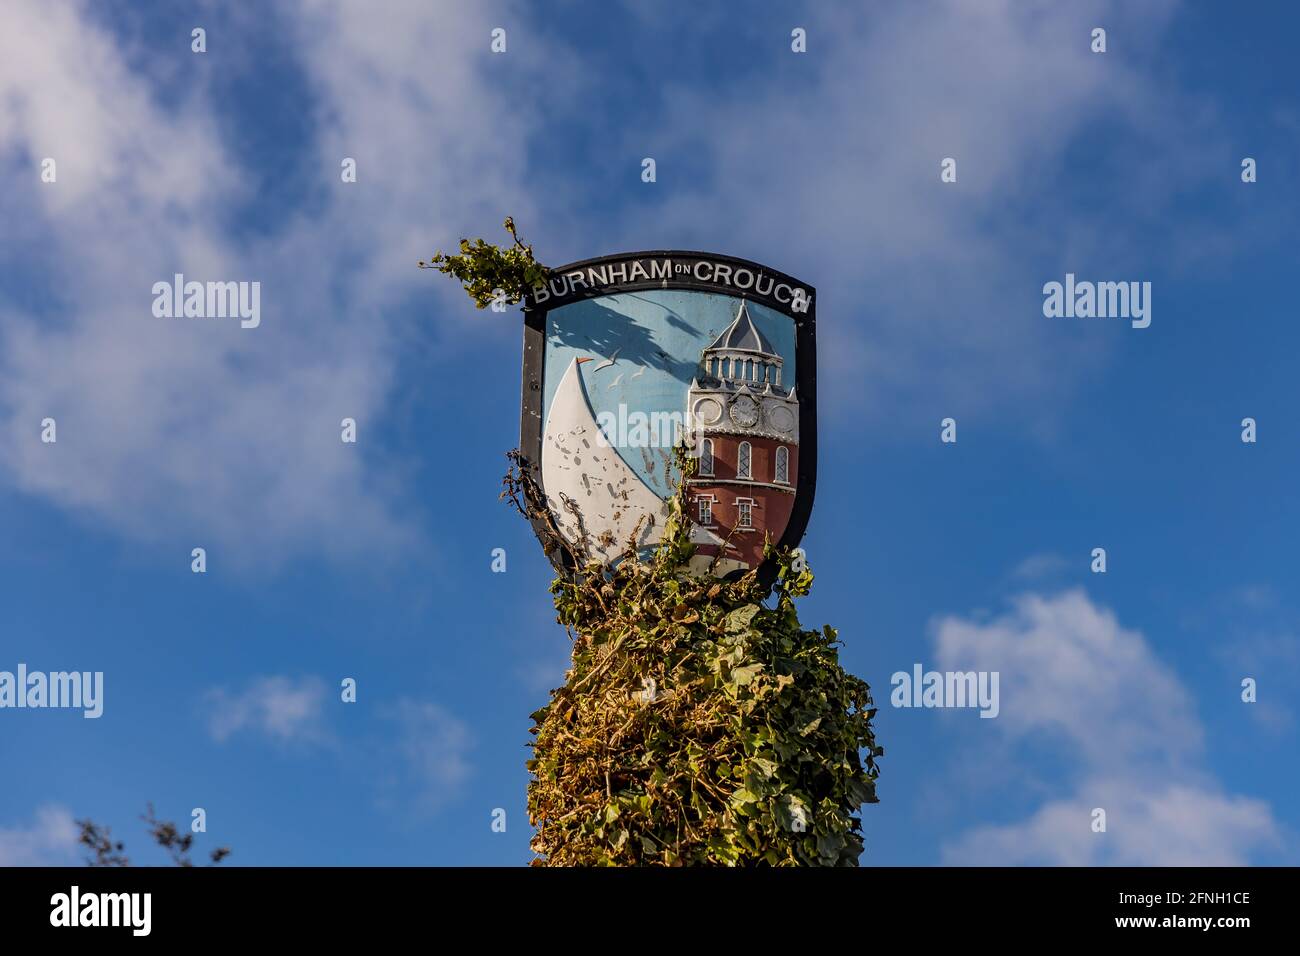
(625, 357)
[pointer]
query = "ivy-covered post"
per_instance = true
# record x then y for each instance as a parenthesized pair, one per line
(699, 722)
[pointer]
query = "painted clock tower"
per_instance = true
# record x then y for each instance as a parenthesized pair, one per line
(746, 425)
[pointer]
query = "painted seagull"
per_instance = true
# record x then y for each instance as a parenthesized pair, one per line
(609, 361)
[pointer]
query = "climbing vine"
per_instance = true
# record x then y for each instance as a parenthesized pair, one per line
(699, 722)
(489, 273)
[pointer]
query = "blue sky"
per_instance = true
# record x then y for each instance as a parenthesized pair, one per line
(373, 561)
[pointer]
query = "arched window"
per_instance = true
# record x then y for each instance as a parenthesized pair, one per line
(706, 457)
(742, 460)
(782, 476)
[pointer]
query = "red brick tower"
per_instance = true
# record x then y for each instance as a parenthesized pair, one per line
(746, 425)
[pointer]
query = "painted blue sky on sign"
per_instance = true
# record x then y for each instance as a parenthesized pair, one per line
(656, 337)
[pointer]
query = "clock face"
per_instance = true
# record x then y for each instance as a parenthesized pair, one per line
(782, 419)
(744, 412)
(708, 411)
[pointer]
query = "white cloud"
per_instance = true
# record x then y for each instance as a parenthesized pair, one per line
(285, 710)
(1127, 732)
(50, 840)
(1037, 566)
(434, 745)
(826, 164)
(1267, 649)
(421, 766)
(1174, 825)
(232, 435)
(1069, 669)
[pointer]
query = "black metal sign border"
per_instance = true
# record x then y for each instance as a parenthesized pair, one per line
(537, 306)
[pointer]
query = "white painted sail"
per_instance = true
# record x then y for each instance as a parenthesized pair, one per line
(579, 466)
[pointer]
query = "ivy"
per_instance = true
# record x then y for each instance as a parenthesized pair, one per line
(699, 722)
(489, 273)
